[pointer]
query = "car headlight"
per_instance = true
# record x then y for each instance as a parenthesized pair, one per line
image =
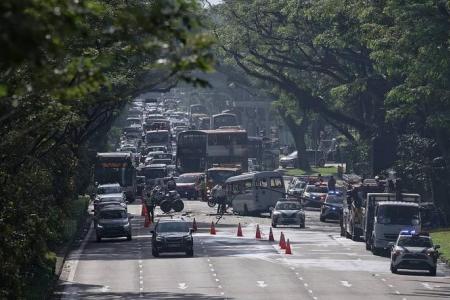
(99, 225)
(126, 225)
(188, 238)
(159, 239)
(276, 213)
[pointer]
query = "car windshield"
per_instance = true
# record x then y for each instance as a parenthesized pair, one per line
(109, 190)
(187, 179)
(172, 227)
(420, 241)
(288, 206)
(317, 189)
(398, 215)
(111, 199)
(334, 199)
(113, 214)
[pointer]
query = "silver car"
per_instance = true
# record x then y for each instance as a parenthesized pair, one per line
(415, 252)
(288, 213)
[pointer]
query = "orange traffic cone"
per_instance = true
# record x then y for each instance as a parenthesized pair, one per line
(212, 230)
(258, 232)
(144, 209)
(282, 241)
(288, 247)
(239, 232)
(147, 221)
(194, 225)
(271, 239)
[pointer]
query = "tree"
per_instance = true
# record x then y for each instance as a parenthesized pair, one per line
(67, 69)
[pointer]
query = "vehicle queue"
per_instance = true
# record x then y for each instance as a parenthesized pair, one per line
(157, 145)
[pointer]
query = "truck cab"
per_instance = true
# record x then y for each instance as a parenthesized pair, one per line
(386, 214)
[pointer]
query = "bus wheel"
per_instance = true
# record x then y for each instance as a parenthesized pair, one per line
(178, 205)
(166, 206)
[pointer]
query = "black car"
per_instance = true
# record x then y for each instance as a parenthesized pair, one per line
(172, 235)
(332, 208)
(113, 221)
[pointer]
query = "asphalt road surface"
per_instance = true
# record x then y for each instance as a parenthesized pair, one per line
(323, 265)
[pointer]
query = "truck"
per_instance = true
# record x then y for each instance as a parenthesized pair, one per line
(385, 215)
(352, 212)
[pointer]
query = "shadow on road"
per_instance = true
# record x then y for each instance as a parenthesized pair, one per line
(98, 292)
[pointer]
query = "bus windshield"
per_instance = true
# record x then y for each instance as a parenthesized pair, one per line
(220, 176)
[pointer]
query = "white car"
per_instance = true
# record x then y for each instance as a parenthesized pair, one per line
(288, 213)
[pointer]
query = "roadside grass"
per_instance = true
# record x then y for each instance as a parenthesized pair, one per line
(324, 171)
(442, 238)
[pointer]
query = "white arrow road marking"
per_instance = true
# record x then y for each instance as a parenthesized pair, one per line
(346, 283)
(261, 284)
(105, 288)
(182, 286)
(427, 285)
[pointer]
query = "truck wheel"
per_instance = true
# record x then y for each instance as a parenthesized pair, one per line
(433, 272)
(274, 225)
(99, 238)
(190, 252)
(166, 206)
(322, 219)
(367, 246)
(155, 252)
(178, 205)
(129, 237)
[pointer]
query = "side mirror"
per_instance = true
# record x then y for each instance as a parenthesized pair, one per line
(391, 244)
(437, 246)
(271, 208)
(152, 231)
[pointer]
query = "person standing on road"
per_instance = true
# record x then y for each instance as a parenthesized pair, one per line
(219, 195)
(331, 184)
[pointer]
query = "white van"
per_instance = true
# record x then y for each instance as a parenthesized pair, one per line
(255, 193)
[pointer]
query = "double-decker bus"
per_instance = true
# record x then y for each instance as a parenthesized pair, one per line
(117, 167)
(199, 150)
(158, 138)
(197, 109)
(223, 120)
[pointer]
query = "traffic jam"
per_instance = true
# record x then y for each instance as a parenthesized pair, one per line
(184, 185)
(168, 156)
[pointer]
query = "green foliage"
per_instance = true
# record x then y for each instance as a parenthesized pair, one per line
(324, 171)
(67, 69)
(442, 238)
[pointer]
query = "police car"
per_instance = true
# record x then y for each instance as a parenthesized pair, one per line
(415, 252)
(332, 207)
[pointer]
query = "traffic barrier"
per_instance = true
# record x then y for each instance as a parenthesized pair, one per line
(212, 230)
(258, 232)
(282, 241)
(288, 247)
(271, 239)
(194, 225)
(239, 231)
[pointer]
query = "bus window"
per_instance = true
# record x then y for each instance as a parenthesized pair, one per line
(248, 184)
(262, 182)
(276, 182)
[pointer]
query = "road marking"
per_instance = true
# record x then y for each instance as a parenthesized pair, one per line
(346, 283)
(301, 278)
(315, 298)
(77, 255)
(105, 288)
(306, 285)
(390, 285)
(296, 273)
(214, 274)
(427, 285)
(219, 286)
(397, 292)
(261, 284)
(382, 279)
(182, 286)
(212, 270)
(310, 291)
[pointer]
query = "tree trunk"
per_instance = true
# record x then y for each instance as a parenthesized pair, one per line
(298, 132)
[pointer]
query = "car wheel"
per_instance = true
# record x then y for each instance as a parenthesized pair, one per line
(322, 219)
(274, 225)
(99, 238)
(155, 252)
(302, 225)
(433, 272)
(178, 205)
(393, 269)
(165, 206)
(190, 252)
(129, 237)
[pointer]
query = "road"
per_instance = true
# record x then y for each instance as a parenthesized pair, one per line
(323, 265)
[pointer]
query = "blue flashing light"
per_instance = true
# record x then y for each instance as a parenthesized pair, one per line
(408, 232)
